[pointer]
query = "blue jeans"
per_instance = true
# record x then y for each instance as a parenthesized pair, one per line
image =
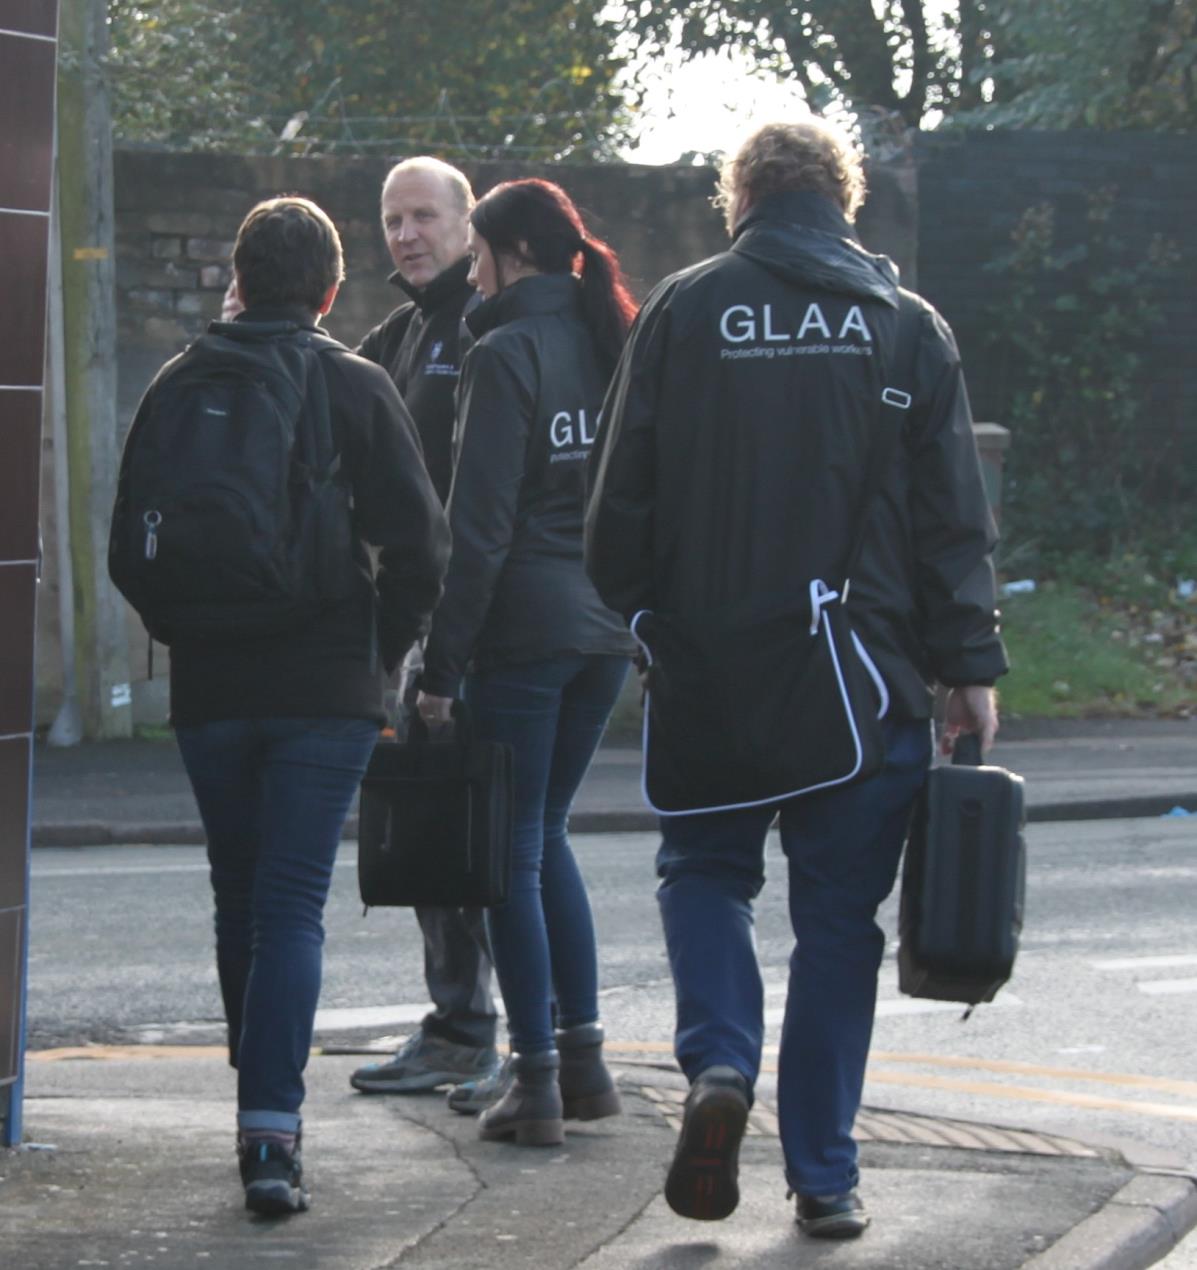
(842, 848)
(552, 713)
(273, 794)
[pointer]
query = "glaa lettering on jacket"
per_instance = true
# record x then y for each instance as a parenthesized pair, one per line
(741, 324)
(563, 430)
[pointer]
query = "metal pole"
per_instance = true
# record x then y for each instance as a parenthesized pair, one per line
(67, 728)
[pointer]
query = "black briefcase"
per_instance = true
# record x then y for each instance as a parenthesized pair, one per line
(434, 826)
(963, 881)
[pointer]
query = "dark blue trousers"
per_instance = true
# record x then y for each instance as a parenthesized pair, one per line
(842, 847)
(552, 713)
(273, 795)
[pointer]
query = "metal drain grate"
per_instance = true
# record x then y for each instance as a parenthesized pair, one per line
(892, 1126)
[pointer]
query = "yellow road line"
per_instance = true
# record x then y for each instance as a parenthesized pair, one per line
(1023, 1093)
(988, 1089)
(110, 1052)
(1162, 1084)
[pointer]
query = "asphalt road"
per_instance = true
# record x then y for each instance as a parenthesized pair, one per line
(1093, 1037)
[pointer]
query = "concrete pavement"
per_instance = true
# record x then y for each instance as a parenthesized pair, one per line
(128, 1157)
(129, 1161)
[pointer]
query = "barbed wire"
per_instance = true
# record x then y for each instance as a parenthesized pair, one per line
(327, 126)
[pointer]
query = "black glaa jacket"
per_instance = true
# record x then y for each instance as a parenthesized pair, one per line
(419, 346)
(336, 665)
(528, 405)
(734, 442)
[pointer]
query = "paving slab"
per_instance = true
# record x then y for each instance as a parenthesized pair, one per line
(129, 1162)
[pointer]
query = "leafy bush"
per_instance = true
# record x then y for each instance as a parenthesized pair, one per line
(1084, 474)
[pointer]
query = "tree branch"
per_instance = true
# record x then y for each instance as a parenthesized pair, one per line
(915, 101)
(864, 52)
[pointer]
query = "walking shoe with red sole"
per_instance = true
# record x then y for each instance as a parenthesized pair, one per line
(703, 1182)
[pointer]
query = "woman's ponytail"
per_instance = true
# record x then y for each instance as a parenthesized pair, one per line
(606, 300)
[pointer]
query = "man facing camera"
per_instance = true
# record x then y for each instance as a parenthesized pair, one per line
(425, 212)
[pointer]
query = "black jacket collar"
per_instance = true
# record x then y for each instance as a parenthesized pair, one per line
(533, 296)
(447, 284)
(296, 313)
(806, 239)
(798, 207)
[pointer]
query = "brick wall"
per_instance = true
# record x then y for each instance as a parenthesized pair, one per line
(942, 213)
(177, 214)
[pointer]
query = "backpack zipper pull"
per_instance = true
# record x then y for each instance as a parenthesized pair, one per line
(152, 520)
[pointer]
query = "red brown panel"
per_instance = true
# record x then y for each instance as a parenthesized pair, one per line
(12, 924)
(20, 444)
(14, 820)
(17, 588)
(26, 139)
(23, 243)
(35, 17)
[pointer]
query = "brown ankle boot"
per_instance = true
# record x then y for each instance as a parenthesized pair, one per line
(587, 1090)
(530, 1111)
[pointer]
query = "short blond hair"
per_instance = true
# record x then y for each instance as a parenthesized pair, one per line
(810, 155)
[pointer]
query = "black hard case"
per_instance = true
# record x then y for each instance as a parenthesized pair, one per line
(963, 882)
(435, 821)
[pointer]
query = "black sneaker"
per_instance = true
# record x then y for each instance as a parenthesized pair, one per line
(703, 1181)
(272, 1177)
(832, 1216)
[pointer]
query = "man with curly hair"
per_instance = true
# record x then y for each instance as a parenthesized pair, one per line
(736, 467)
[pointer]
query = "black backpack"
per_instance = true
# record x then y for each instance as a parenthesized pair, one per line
(232, 517)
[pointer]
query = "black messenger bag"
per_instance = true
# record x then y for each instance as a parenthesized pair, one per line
(963, 881)
(434, 826)
(817, 701)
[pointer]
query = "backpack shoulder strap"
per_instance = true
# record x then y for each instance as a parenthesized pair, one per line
(324, 459)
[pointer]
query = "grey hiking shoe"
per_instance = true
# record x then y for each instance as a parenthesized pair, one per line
(473, 1096)
(272, 1177)
(422, 1063)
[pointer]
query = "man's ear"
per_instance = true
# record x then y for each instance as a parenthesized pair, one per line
(329, 296)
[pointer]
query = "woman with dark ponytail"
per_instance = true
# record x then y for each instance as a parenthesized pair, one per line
(542, 658)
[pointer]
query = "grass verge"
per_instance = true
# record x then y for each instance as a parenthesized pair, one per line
(1082, 651)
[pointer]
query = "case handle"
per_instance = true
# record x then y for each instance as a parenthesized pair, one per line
(966, 752)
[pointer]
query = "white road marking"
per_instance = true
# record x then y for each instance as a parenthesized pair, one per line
(1147, 963)
(337, 1019)
(1168, 987)
(112, 870)
(344, 861)
(894, 1007)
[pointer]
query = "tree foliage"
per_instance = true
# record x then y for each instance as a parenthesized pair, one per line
(530, 78)
(1094, 64)
(1094, 466)
(902, 57)
(1040, 63)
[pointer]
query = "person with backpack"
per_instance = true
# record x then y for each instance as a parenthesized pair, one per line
(788, 506)
(261, 463)
(542, 657)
